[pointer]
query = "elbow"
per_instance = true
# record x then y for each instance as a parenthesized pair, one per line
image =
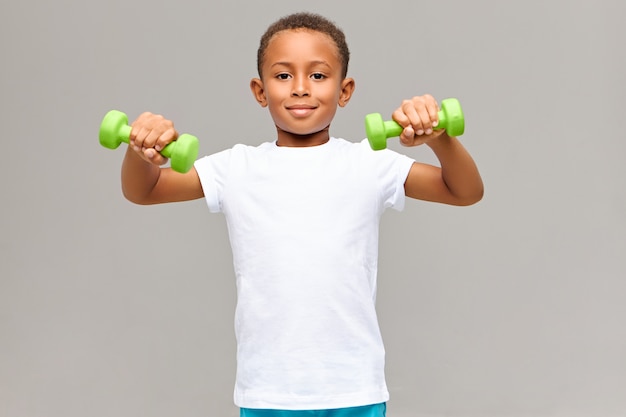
(135, 198)
(474, 193)
(472, 198)
(471, 201)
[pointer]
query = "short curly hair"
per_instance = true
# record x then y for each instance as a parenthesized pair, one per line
(309, 21)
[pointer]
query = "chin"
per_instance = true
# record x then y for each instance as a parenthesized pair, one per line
(303, 133)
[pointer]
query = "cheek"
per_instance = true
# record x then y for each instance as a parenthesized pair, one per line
(334, 93)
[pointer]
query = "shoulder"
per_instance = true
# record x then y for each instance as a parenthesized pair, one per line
(236, 150)
(365, 152)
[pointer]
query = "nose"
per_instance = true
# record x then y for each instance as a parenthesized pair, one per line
(300, 87)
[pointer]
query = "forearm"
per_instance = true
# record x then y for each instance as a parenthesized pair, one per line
(139, 177)
(458, 169)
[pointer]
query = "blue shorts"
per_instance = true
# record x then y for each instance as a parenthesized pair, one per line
(374, 410)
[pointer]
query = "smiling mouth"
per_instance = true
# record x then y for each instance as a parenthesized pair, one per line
(301, 111)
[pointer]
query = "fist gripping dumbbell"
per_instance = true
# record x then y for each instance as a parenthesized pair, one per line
(182, 153)
(450, 118)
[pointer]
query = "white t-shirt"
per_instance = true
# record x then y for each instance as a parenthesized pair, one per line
(303, 226)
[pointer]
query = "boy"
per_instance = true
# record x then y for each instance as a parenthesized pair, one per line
(303, 214)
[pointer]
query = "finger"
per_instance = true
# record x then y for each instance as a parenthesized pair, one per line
(432, 108)
(433, 112)
(411, 109)
(165, 138)
(151, 138)
(137, 132)
(421, 108)
(401, 118)
(154, 157)
(139, 138)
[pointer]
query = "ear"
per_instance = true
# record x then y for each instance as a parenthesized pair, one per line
(258, 91)
(347, 88)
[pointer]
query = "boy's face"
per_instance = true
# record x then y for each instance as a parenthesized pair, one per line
(302, 85)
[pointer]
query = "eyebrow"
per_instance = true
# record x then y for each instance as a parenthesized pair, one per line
(289, 64)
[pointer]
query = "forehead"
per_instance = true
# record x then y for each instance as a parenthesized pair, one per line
(301, 44)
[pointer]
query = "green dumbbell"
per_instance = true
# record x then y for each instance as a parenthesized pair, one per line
(378, 131)
(182, 153)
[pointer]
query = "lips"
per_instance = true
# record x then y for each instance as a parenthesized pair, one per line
(301, 110)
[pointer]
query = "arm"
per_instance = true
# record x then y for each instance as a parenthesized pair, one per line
(457, 181)
(143, 180)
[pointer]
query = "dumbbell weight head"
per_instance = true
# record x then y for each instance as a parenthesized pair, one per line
(182, 152)
(114, 129)
(378, 130)
(451, 117)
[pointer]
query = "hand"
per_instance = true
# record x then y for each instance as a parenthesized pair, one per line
(418, 116)
(150, 134)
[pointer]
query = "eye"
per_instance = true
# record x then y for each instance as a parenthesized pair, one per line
(318, 76)
(283, 76)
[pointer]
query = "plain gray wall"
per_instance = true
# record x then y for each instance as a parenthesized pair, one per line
(512, 308)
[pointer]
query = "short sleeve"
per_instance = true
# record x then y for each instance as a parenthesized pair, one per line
(392, 169)
(213, 171)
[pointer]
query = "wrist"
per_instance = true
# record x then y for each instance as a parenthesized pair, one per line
(439, 141)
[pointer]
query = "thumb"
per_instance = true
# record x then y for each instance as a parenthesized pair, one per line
(407, 136)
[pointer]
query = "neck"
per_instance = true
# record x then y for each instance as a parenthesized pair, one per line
(294, 140)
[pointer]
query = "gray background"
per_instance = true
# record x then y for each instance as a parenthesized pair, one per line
(512, 307)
